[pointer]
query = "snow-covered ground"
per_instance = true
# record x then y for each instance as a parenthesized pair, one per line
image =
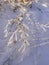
(38, 51)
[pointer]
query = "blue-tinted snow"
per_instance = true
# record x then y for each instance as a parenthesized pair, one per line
(42, 15)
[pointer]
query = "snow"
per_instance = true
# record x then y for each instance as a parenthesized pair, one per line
(37, 50)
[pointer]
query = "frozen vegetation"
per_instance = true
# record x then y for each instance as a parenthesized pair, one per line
(24, 32)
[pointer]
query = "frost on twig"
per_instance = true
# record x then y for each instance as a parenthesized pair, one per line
(16, 4)
(18, 36)
(23, 32)
(42, 27)
(23, 37)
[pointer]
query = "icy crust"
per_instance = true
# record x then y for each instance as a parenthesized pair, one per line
(25, 31)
